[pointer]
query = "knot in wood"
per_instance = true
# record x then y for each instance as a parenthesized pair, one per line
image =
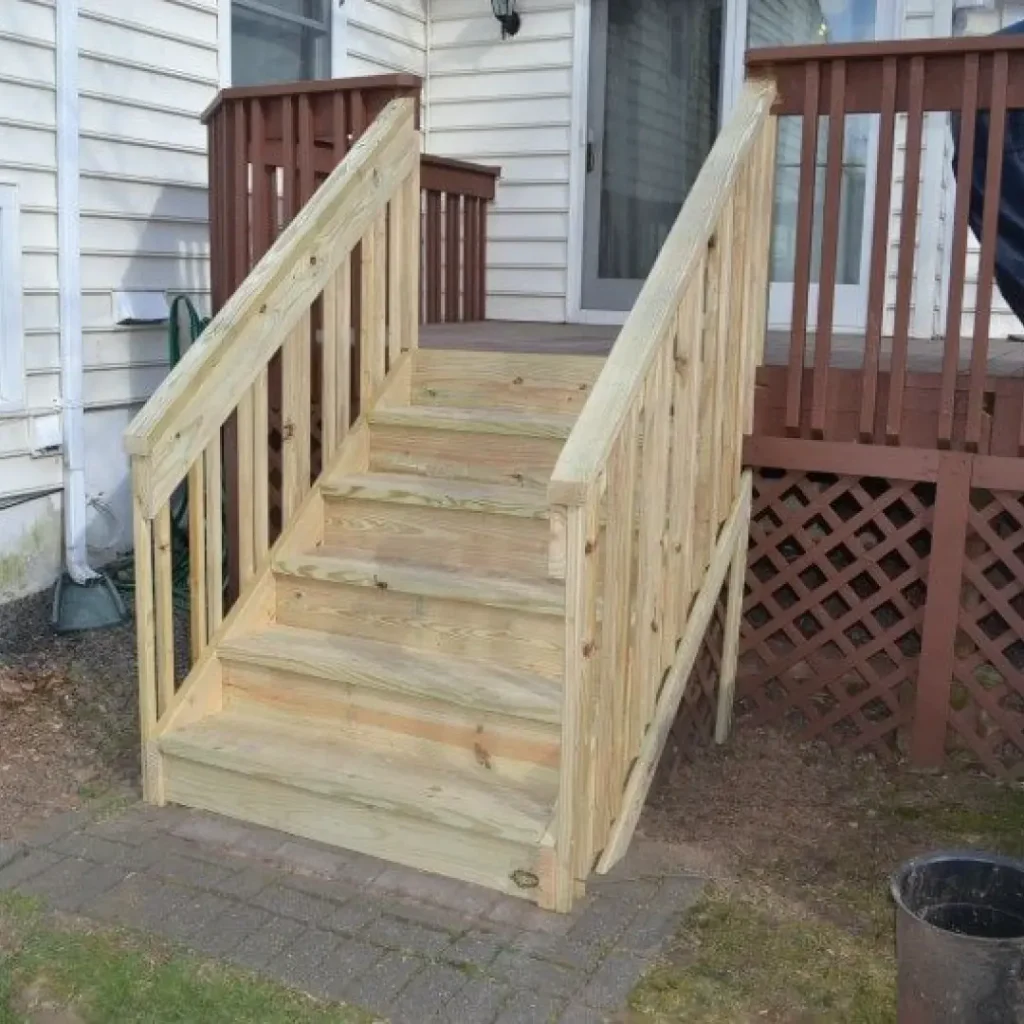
(287, 431)
(263, 308)
(589, 547)
(654, 626)
(312, 261)
(588, 648)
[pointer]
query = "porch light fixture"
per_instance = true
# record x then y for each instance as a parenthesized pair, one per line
(507, 15)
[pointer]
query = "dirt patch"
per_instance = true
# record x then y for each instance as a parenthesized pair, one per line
(68, 714)
(801, 842)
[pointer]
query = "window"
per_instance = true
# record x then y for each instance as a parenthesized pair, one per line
(12, 358)
(280, 40)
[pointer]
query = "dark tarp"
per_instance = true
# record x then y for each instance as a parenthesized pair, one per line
(1010, 242)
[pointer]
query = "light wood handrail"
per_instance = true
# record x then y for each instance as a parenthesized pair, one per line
(601, 421)
(199, 394)
(649, 505)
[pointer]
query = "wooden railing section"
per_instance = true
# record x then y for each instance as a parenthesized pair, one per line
(649, 504)
(899, 84)
(456, 195)
(371, 201)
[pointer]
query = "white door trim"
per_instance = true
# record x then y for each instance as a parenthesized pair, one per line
(574, 312)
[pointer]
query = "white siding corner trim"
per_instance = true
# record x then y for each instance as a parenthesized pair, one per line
(12, 338)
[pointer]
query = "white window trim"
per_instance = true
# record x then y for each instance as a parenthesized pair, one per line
(12, 337)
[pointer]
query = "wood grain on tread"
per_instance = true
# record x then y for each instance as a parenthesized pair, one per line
(540, 597)
(553, 426)
(487, 688)
(504, 380)
(303, 759)
(469, 496)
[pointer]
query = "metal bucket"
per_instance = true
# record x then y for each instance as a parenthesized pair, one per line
(960, 939)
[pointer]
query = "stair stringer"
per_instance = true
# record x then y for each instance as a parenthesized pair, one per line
(201, 694)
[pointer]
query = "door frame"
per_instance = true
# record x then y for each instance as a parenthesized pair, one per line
(889, 17)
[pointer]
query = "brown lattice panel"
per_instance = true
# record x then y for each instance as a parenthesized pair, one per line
(695, 723)
(986, 715)
(836, 592)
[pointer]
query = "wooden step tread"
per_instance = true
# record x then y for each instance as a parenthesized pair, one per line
(475, 421)
(425, 675)
(305, 757)
(540, 597)
(436, 492)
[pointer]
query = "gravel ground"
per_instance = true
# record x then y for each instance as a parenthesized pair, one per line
(68, 714)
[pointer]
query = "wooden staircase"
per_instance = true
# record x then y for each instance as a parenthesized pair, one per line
(398, 688)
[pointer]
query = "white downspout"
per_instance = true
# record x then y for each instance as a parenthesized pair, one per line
(69, 287)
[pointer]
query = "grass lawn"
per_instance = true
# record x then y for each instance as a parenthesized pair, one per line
(59, 971)
(797, 926)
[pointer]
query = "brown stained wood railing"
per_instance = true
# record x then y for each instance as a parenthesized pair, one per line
(176, 439)
(648, 502)
(900, 83)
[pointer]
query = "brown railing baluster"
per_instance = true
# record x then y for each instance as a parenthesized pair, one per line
(987, 259)
(433, 257)
(804, 238)
(240, 189)
(958, 256)
(829, 246)
(908, 244)
(262, 195)
(339, 126)
(469, 258)
(307, 179)
(290, 206)
(481, 309)
(452, 247)
(879, 252)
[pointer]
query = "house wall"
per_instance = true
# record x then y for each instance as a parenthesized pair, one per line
(508, 103)
(30, 526)
(385, 36)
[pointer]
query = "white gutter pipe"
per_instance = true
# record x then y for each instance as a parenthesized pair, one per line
(70, 292)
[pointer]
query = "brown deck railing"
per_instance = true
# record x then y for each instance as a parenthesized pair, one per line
(953, 404)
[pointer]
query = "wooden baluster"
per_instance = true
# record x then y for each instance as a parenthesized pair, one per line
(879, 252)
(481, 307)
(686, 380)
(453, 221)
(219, 235)
(617, 599)
(433, 257)
(240, 197)
(372, 331)
(704, 516)
(289, 199)
(262, 195)
(469, 258)
(339, 127)
(244, 497)
(261, 468)
(804, 238)
(411, 243)
(163, 590)
(197, 558)
(908, 246)
(295, 415)
(958, 255)
(306, 151)
(719, 482)
(214, 536)
(146, 644)
(829, 246)
(989, 239)
(357, 123)
(333, 333)
(397, 285)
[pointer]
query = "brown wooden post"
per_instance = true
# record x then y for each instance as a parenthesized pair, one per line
(945, 571)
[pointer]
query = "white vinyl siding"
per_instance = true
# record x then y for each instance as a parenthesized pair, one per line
(28, 176)
(507, 102)
(385, 36)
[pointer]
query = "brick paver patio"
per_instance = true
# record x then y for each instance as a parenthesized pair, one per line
(408, 946)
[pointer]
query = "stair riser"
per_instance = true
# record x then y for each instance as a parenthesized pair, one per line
(470, 856)
(476, 741)
(492, 458)
(517, 639)
(438, 537)
(482, 380)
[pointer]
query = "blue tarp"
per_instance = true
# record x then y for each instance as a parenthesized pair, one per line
(1010, 242)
